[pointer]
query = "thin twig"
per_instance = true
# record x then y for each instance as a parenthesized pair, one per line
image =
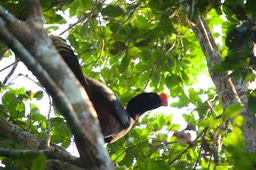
(15, 62)
(48, 139)
(14, 66)
(149, 76)
(183, 152)
(82, 19)
(200, 150)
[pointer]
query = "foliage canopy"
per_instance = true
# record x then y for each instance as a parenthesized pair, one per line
(133, 46)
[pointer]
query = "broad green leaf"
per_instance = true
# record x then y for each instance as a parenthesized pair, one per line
(160, 121)
(172, 81)
(146, 54)
(232, 110)
(117, 47)
(13, 105)
(155, 5)
(118, 156)
(112, 11)
(249, 6)
(125, 63)
(252, 102)
(39, 95)
(39, 163)
(239, 121)
(36, 116)
(236, 139)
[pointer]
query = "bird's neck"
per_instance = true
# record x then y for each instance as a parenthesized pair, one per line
(136, 117)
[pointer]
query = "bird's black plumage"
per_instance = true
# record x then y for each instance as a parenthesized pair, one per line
(142, 103)
(115, 121)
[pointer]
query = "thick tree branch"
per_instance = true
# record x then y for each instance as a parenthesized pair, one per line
(51, 153)
(9, 131)
(67, 161)
(68, 95)
(38, 146)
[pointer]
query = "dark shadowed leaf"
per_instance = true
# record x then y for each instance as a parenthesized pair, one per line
(112, 11)
(39, 163)
(39, 95)
(252, 102)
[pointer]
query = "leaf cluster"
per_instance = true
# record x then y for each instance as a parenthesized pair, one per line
(133, 46)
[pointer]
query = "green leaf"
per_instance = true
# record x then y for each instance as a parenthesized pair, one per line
(172, 81)
(250, 7)
(39, 163)
(36, 116)
(239, 121)
(191, 93)
(232, 110)
(125, 63)
(60, 132)
(13, 105)
(39, 95)
(118, 156)
(146, 54)
(252, 102)
(117, 47)
(160, 121)
(236, 139)
(155, 5)
(112, 11)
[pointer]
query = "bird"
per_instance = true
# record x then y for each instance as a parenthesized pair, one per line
(115, 121)
(137, 106)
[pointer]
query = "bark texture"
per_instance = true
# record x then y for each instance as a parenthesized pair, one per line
(33, 46)
(229, 90)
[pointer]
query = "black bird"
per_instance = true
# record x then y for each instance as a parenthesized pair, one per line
(115, 121)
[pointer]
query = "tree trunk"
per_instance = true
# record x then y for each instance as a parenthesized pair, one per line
(30, 42)
(230, 91)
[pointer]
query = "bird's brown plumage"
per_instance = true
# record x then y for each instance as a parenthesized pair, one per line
(114, 120)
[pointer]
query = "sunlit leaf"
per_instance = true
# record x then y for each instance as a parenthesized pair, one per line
(118, 156)
(232, 110)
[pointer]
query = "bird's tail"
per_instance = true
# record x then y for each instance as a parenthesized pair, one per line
(69, 57)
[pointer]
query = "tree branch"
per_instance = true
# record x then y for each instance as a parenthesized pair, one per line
(68, 95)
(50, 153)
(14, 66)
(9, 131)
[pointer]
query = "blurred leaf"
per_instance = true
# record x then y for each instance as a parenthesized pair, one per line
(39, 95)
(118, 156)
(236, 139)
(155, 5)
(112, 11)
(249, 7)
(252, 102)
(239, 121)
(125, 63)
(13, 105)
(35, 114)
(39, 163)
(232, 110)
(117, 47)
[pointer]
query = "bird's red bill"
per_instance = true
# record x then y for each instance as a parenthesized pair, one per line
(164, 99)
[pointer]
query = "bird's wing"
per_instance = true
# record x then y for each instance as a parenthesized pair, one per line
(92, 86)
(103, 91)
(69, 57)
